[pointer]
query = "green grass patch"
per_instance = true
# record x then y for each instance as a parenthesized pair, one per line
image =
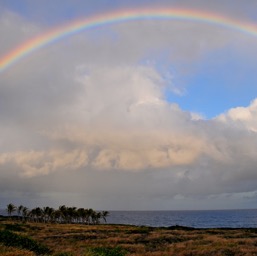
(14, 227)
(140, 230)
(9, 238)
(160, 240)
(64, 254)
(228, 252)
(177, 227)
(106, 251)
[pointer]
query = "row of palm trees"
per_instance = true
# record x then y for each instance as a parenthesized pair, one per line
(63, 214)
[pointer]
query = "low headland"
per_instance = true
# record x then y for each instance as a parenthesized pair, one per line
(43, 235)
(37, 238)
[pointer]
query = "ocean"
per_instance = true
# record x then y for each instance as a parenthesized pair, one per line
(196, 219)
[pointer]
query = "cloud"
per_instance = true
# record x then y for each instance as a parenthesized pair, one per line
(244, 117)
(15, 30)
(91, 111)
(125, 130)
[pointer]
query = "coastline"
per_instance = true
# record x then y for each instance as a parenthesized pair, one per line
(241, 218)
(120, 240)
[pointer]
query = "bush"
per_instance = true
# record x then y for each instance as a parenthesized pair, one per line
(14, 227)
(63, 254)
(11, 239)
(104, 251)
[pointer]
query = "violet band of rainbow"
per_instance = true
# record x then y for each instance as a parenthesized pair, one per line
(120, 16)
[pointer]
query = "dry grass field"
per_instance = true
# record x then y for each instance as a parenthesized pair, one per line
(29, 239)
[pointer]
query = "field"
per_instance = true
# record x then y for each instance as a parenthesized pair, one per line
(18, 238)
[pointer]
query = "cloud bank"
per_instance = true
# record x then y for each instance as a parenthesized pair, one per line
(93, 108)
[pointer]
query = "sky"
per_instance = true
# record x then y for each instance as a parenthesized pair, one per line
(149, 114)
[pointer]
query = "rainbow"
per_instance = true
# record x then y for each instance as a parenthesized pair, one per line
(77, 26)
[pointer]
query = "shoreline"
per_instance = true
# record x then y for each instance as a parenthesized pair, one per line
(120, 240)
(197, 219)
(17, 220)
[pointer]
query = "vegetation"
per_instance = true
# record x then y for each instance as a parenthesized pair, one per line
(63, 214)
(107, 251)
(11, 239)
(77, 239)
(10, 209)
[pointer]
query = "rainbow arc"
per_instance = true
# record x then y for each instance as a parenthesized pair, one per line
(77, 26)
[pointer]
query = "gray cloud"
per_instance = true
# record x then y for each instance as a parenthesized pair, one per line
(86, 119)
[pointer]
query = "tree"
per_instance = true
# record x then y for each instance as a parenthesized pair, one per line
(32, 215)
(96, 216)
(39, 214)
(10, 209)
(57, 216)
(50, 214)
(82, 215)
(19, 210)
(25, 212)
(36, 214)
(71, 214)
(64, 213)
(47, 213)
(104, 215)
(90, 215)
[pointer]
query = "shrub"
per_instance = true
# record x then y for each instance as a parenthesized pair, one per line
(14, 227)
(105, 251)
(63, 254)
(11, 239)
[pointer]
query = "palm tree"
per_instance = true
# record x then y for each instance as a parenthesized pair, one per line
(72, 213)
(50, 213)
(87, 215)
(46, 213)
(10, 209)
(90, 215)
(64, 212)
(19, 211)
(32, 215)
(36, 214)
(104, 215)
(57, 216)
(96, 216)
(39, 214)
(82, 214)
(62, 215)
(25, 212)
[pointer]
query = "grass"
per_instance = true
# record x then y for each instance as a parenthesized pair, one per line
(9, 238)
(107, 251)
(122, 240)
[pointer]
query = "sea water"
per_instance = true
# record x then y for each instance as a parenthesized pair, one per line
(197, 219)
